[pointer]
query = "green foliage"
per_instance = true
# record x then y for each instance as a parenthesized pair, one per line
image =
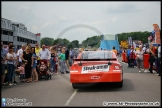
(75, 43)
(60, 41)
(47, 41)
(135, 36)
(94, 41)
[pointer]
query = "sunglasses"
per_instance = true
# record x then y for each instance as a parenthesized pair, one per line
(36, 45)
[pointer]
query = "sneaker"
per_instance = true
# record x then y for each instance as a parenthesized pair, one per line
(154, 72)
(13, 84)
(145, 71)
(139, 71)
(10, 84)
(62, 72)
(6, 83)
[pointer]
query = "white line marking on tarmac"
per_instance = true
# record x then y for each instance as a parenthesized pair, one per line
(72, 96)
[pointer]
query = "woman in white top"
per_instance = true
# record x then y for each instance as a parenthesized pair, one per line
(10, 64)
(139, 58)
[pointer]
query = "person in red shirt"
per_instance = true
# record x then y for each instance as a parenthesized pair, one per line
(132, 57)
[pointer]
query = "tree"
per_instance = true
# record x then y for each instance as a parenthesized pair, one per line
(47, 41)
(93, 41)
(70, 46)
(75, 43)
(62, 42)
(135, 36)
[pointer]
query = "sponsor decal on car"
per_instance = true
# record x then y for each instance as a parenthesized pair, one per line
(95, 68)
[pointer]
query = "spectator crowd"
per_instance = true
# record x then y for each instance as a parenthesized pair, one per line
(135, 57)
(25, 62)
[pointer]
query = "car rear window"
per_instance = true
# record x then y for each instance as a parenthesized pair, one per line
(97, 55)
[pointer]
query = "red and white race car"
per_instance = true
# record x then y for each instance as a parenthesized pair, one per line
(96, 67)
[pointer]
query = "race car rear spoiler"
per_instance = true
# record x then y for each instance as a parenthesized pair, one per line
(95, 59)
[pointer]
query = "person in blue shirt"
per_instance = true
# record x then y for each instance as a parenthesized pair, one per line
(128, 56)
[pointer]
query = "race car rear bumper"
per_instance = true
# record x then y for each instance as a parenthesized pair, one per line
(96, 77)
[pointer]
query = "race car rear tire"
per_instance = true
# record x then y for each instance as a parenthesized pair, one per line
(75, 86)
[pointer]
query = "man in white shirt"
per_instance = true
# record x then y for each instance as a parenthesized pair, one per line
(44, 54)
(144, 48)
(20, 51)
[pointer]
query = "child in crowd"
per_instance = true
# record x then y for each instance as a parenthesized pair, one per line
(42, 66)
(22, 72)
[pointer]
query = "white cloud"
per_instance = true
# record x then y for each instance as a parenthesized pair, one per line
(45, 25)
(34, 29)
(50, 18)
(114, 19)
(63, 17)
(24, 7)
(96, 22)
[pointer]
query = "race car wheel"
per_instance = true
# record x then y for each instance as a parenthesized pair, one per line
(75, 86)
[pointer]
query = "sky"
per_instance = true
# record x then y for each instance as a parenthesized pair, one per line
(80, 20)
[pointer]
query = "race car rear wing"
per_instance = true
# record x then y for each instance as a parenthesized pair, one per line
(109, 63)
(95, 59)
